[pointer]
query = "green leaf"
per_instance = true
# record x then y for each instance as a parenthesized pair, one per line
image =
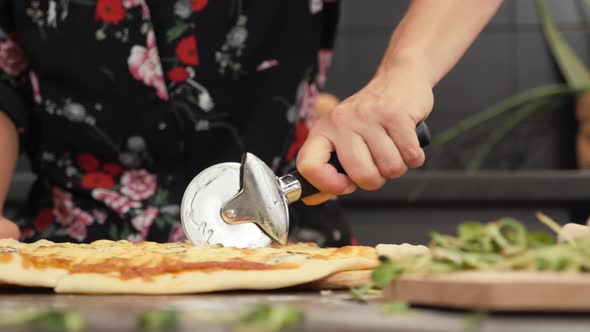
(62, 321)
(176, 31)
(543, 92)
(539, 239)
(383, 274)
(474, 319)
(395, 308)
(21, 317)
(158, 320)
(443, 267)
(500, 132)
(160, 222)
(470, 230)
(266, 317)
(113, 233)
(572, 67)
(513, 231)
(125, 231)
(108, 73)
(359, 293)
(160, 198)
(45, 320)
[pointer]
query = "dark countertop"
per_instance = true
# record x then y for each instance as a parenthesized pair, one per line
(331, 312)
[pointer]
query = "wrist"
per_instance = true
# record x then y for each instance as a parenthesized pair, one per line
(408, 63)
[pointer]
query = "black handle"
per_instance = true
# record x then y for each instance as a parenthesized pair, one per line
(307, 189)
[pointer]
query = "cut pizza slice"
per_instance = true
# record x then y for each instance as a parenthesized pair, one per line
(177, 269)
(108, 267)
(39, 264)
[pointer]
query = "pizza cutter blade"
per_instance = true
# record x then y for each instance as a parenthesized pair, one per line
(245, 204)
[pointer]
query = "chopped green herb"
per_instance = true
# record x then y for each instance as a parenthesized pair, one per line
(158, 320)
(49, 320)
(501, 245)
(539, 239)
(384, 273)
(360, 293)
(269, 318)
(54, 320)
(395, 308)
(474, 319)
(470, 230)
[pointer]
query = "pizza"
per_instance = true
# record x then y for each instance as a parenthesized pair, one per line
(122, 267)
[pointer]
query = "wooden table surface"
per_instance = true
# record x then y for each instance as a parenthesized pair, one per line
(323, 312)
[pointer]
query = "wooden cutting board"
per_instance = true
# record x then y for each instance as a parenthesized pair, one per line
(495, 291)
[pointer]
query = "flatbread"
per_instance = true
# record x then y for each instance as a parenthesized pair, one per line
(121, 267)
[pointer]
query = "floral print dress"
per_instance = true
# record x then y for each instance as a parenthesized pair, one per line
(120, 103)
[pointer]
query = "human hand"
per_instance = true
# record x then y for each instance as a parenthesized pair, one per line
(8, 229)
(372, 132)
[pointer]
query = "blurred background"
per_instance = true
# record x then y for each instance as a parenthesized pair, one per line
(529, 158)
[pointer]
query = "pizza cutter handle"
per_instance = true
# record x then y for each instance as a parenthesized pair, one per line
(307, 189)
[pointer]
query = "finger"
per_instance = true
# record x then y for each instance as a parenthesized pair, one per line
(385, 153)
(402, 129)
(325, 103)
(312, 163)
(8, 229)
(318, 198)
(356, 159)
(321, 197)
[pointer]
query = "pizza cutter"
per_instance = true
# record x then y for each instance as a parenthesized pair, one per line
(245, 204)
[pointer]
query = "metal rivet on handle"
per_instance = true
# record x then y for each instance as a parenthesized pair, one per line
(230, 213)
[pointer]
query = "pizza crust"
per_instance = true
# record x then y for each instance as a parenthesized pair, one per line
(203, 281)
(14, 273)
(120, 267)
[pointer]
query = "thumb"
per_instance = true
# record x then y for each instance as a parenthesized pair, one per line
(8, 229)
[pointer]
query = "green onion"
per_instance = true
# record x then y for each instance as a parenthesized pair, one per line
(158, 320)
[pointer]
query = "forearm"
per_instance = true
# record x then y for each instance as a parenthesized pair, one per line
(435, 34)
(8, 156)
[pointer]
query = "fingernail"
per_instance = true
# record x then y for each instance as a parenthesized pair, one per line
(349, 190)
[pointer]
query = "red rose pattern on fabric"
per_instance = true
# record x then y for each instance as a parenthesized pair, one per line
(67, 214)
(143, 222)
(187, 51)
(88, 162)
(114, 201)
(177, 234)
(63, 207)
(144, 64)
(35, 86)
(301, 132)
(198, 5)
(128, 4)
(112, 169)
(110, 11)
(95, 180)
(178, 74)
(138, 185)
(127, 197)
(78, 231)
(43, 220)
(12, 59)
(99, 216)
